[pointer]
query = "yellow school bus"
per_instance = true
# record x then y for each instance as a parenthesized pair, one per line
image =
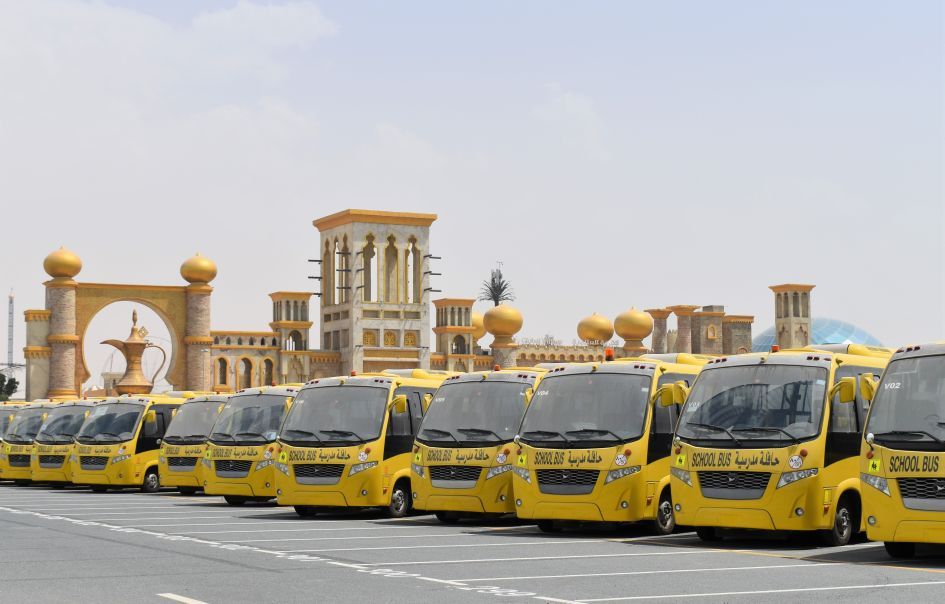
(181, 462)
(902, 461)
(765, 443)
(462, 459)
(347, 441)
(240, 448)
(23, 425)
(117, 446)
(55, 442)
(594, 446)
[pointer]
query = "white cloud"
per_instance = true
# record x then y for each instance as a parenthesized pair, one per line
(575, 118)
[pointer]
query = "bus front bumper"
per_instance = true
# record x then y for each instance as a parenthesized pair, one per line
(628, 499)
(363, 490)
(888, 519)
(492, 495)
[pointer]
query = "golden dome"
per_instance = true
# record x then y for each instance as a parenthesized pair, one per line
(502, 321)
(595, 329)
(62, 263)
(198, 269)
(633, 324)
(479, 329)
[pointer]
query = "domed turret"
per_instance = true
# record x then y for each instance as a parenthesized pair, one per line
(595, 330)
(503, 322)
(479, 328)
(633, 325)
(198, 269)
(62, 264)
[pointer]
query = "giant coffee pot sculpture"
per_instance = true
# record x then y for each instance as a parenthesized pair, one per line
(134, 381)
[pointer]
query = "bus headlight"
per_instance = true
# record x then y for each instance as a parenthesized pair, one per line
(498, 470)
(162, 459)
(620, 473)
(523, 474)
(417, 469)
(682, 475)
(877, 482)
(120, 458)
(360, 467)
(263, 464)
(792, 477)
(284, 468)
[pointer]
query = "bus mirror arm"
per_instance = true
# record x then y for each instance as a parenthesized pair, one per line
(869, 440)
(867, 386)
(517, 439)
(400, 403)
(846, 389)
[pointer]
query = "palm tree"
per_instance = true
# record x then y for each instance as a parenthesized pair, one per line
(496, 288)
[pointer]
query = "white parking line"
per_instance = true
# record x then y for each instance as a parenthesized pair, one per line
(223, 511)
(334, 528)
(766, 591)
(349, 538)
(101, 509)
(183, 599)
(499, 544)
(652, 572)
(533, 558)
(147, 518)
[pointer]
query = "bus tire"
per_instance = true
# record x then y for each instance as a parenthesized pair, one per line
(400, 500)
(234, 499)
(446, 517)
(152, 481)
(845, 524)
(548, 526)
(186, 490)
(306, 511)
(665, 521)
(708, 534)
(900, 549)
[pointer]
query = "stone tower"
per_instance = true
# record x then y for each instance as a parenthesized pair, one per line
(792, 314)
(375, 288)
(454, 332)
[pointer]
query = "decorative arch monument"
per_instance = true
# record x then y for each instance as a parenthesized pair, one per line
(55, 359)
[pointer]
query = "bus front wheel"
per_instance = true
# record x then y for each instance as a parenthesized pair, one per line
(152, 482)
(845, 523)
(898, 549)
(400, 501)
(665, 521)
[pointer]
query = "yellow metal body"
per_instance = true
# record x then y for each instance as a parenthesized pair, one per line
(244, 471)
(50, 460)
(443, 471)
(16, 456)
(630, 477)
(125, 463)
(369, 470)
(903, 481)
(181, 462)
(804, 504)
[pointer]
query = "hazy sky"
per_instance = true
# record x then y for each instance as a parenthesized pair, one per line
(610, 154)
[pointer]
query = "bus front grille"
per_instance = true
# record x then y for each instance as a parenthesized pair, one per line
(181, 464)
(51, 461)
(923, 493)
(93, 462)
(232, 468)
(19, 461)
(567, 482)
(318, 473)
(454, 477)
(734, 485)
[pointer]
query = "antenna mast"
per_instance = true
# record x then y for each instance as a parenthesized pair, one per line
(10, 330)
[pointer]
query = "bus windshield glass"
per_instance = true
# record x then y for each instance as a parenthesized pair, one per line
(192, 422)
(587, 409)
(333, 414)
(24, 426)
(475, 412)
(757, 402)
(111, 423)
(249, 419)
(909, 408)
(62, 425)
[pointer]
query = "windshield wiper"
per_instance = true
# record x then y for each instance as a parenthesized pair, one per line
(303, 433)
(343, 433)
(110, 434)
(443, 432)
(547, 433)
(219, 435)
(768, 429)
(908, 432)
(251, 434)
(478, 431)
(717, 429)
(594, 431)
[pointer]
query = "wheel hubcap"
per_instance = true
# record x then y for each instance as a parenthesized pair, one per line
(666, 513)
(152, 481)
(843, 522)
(399, 500)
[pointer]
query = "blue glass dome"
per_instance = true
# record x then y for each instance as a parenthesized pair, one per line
(823, 331)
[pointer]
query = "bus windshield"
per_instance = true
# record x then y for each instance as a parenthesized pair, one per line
(333, 414)
(909, 409)
(192, 422)
(249, 419)
(587, 409)
(480, 411)
(24, 426)
(62, 425)
(760, 402)
(111, 423)
(5, 420)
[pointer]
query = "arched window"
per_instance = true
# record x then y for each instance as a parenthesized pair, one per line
(407, 289)
(268, 373)
(390, 338)
(216, 339)
(229, 342)
(410, 339)
(295, 310)
(252, 341)
(274, 343)
(304, 311)
(796, 302)
(370, 338)
(221, 371)
(328, 274)
(391, 270)
(367, 275)
(345, 266)
(459, 345)
(239, 341)
(295, 339)
(246, 373)
(805, 304)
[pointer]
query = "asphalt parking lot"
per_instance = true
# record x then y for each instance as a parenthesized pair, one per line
(74, 545)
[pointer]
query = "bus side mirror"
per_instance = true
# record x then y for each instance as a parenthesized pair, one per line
(664, 394)
(529, 393)
(400, 403)
(846, 389)
(150, 424)
(427, 399)
(867, 386)
(672, 394)
(150, 417)
(173, 413)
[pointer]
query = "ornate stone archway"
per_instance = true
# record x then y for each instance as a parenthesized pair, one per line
(56, 365)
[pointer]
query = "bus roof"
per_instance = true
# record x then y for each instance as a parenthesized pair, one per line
(921, 350)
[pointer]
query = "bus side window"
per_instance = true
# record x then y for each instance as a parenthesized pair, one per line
(846, 418)
(664, 419)
(415, 404)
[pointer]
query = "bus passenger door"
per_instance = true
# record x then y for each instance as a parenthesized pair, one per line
(845, 426)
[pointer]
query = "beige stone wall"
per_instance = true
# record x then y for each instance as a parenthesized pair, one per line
(61, 298)
(198, 338)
